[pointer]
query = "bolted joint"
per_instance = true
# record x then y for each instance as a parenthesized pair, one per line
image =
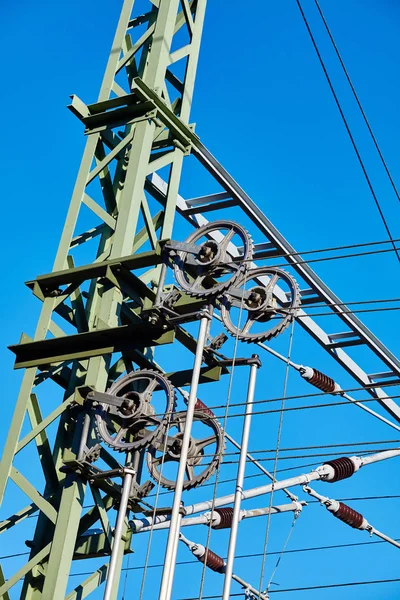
(255, 360)
(204, 313)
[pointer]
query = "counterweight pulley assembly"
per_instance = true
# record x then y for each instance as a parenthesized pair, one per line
(137, 413)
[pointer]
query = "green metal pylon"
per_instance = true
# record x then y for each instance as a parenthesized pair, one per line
(112, 186)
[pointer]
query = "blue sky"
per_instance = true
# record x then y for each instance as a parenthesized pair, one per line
(263, 107)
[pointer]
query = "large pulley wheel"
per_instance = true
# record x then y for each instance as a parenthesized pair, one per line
(262, 306)
(205, 451)
(208, 267)
(143, 403)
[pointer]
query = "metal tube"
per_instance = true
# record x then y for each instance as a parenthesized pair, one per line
(174, 526)
(173, 561)
(385, 537)
(126, 490)
(368, 460)
(239, 481)
(252, 493)
(163, 521)
(370, 411)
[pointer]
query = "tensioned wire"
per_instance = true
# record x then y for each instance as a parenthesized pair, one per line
(203, 574)
(295, 408)
(310, 588)
(346, 73)
(146, 562)
(322, 259)
(346, 124)
(300, 396)
(278, 443)
(253, 555)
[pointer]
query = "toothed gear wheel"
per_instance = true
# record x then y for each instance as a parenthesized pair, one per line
(147, 399)
(163, 460)
(212, 270)
(267, 313)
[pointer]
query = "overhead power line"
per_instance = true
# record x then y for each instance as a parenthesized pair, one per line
(345, 122)
(326, 258)
(375, 141)
(253, 555)
(309, 588)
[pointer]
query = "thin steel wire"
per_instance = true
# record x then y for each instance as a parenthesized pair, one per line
(323, 259)
(146, 562)
(375, 141)
(332, 248)
(313, 395)
(272, 400)
(346, 124)
(296, 516)
(278, 443)
(309, 588)
(203, 574)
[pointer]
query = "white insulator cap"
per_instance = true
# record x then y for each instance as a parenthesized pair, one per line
(214, 517)
(196, 549)
(306, 372)
(357, 462)
(333, 505)
(327, 472)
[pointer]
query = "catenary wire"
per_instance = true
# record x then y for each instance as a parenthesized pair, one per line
(316, 394)
(329, 249)
(345, 122)
(267, 401)
(308, 588)
(257, 554)
(148, 549)
(323, 259)
(375, 141)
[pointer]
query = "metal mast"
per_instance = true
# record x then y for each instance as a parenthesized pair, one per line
(90, 373)
(126, 142)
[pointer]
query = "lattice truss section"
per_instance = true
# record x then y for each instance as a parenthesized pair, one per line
(110, 301)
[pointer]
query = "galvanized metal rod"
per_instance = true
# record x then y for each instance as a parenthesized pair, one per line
(163, 521)
(240, 478)
(173, 561)
(169, 566)
(385, 537)
(126, 489)
(248, 586)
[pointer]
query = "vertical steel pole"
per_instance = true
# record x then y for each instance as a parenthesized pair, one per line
(254, 365)
(169, 565)
(126, 490)
(173, 561)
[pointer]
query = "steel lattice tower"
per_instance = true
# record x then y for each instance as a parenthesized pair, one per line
(101, 319)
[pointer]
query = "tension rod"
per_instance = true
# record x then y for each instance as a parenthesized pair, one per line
(348, 515)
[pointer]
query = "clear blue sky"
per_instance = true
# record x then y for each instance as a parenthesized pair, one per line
(263, 108)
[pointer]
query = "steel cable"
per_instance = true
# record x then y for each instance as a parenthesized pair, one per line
(345, 122)
(278, 443)
(230, 384)
(358, 100)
